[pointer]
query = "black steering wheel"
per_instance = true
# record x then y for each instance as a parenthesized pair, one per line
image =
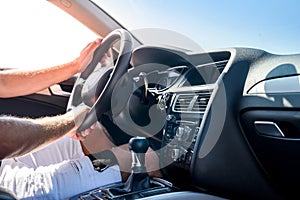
(99, 83)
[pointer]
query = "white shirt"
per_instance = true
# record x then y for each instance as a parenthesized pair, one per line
(58, 171)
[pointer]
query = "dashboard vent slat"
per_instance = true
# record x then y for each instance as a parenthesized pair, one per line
(191, 103)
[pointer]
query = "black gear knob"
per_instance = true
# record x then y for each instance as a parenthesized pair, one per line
(139, 178)
(138, 145)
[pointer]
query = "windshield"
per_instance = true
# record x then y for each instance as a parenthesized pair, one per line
(269, 25)
(36, 34)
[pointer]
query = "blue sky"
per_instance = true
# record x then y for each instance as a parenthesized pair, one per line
(273, 25)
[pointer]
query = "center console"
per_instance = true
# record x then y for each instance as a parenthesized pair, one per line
(181, 129)
(158, 186)
(138, 184)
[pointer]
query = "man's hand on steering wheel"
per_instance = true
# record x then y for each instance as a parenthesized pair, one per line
(86, 55)
(100, 83)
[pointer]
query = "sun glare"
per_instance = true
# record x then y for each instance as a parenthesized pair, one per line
(34, 33)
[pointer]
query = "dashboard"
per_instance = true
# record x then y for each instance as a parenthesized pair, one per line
(226, 114)
(227, 120)
(182, 84)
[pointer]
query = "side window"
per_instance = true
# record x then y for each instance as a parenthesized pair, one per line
(35, 34)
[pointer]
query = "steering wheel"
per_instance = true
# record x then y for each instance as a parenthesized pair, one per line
(99, 83)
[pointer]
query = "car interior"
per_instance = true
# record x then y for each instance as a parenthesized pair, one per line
(224, 123)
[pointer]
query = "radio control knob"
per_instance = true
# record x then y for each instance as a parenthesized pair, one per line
(171, 118)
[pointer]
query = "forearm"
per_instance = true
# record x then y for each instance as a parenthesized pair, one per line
(20, 82)
(20, 136)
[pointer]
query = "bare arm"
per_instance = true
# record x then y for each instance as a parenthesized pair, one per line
(20, 82)
(21, 135)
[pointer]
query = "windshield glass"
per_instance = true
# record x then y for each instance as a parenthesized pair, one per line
(269, 25)
(36, 34)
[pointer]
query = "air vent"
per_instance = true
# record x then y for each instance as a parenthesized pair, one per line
(191, 103)
(221, 65)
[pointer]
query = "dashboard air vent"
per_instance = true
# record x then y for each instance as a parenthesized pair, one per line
(191, 103)
(221, 65)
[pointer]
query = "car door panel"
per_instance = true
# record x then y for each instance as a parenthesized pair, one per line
(35, 105)
(49, 102)
(270, 120)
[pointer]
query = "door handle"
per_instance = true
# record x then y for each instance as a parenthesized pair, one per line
(268, 128)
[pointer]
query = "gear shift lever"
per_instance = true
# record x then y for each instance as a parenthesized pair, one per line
(139, 178)
(138, 147)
